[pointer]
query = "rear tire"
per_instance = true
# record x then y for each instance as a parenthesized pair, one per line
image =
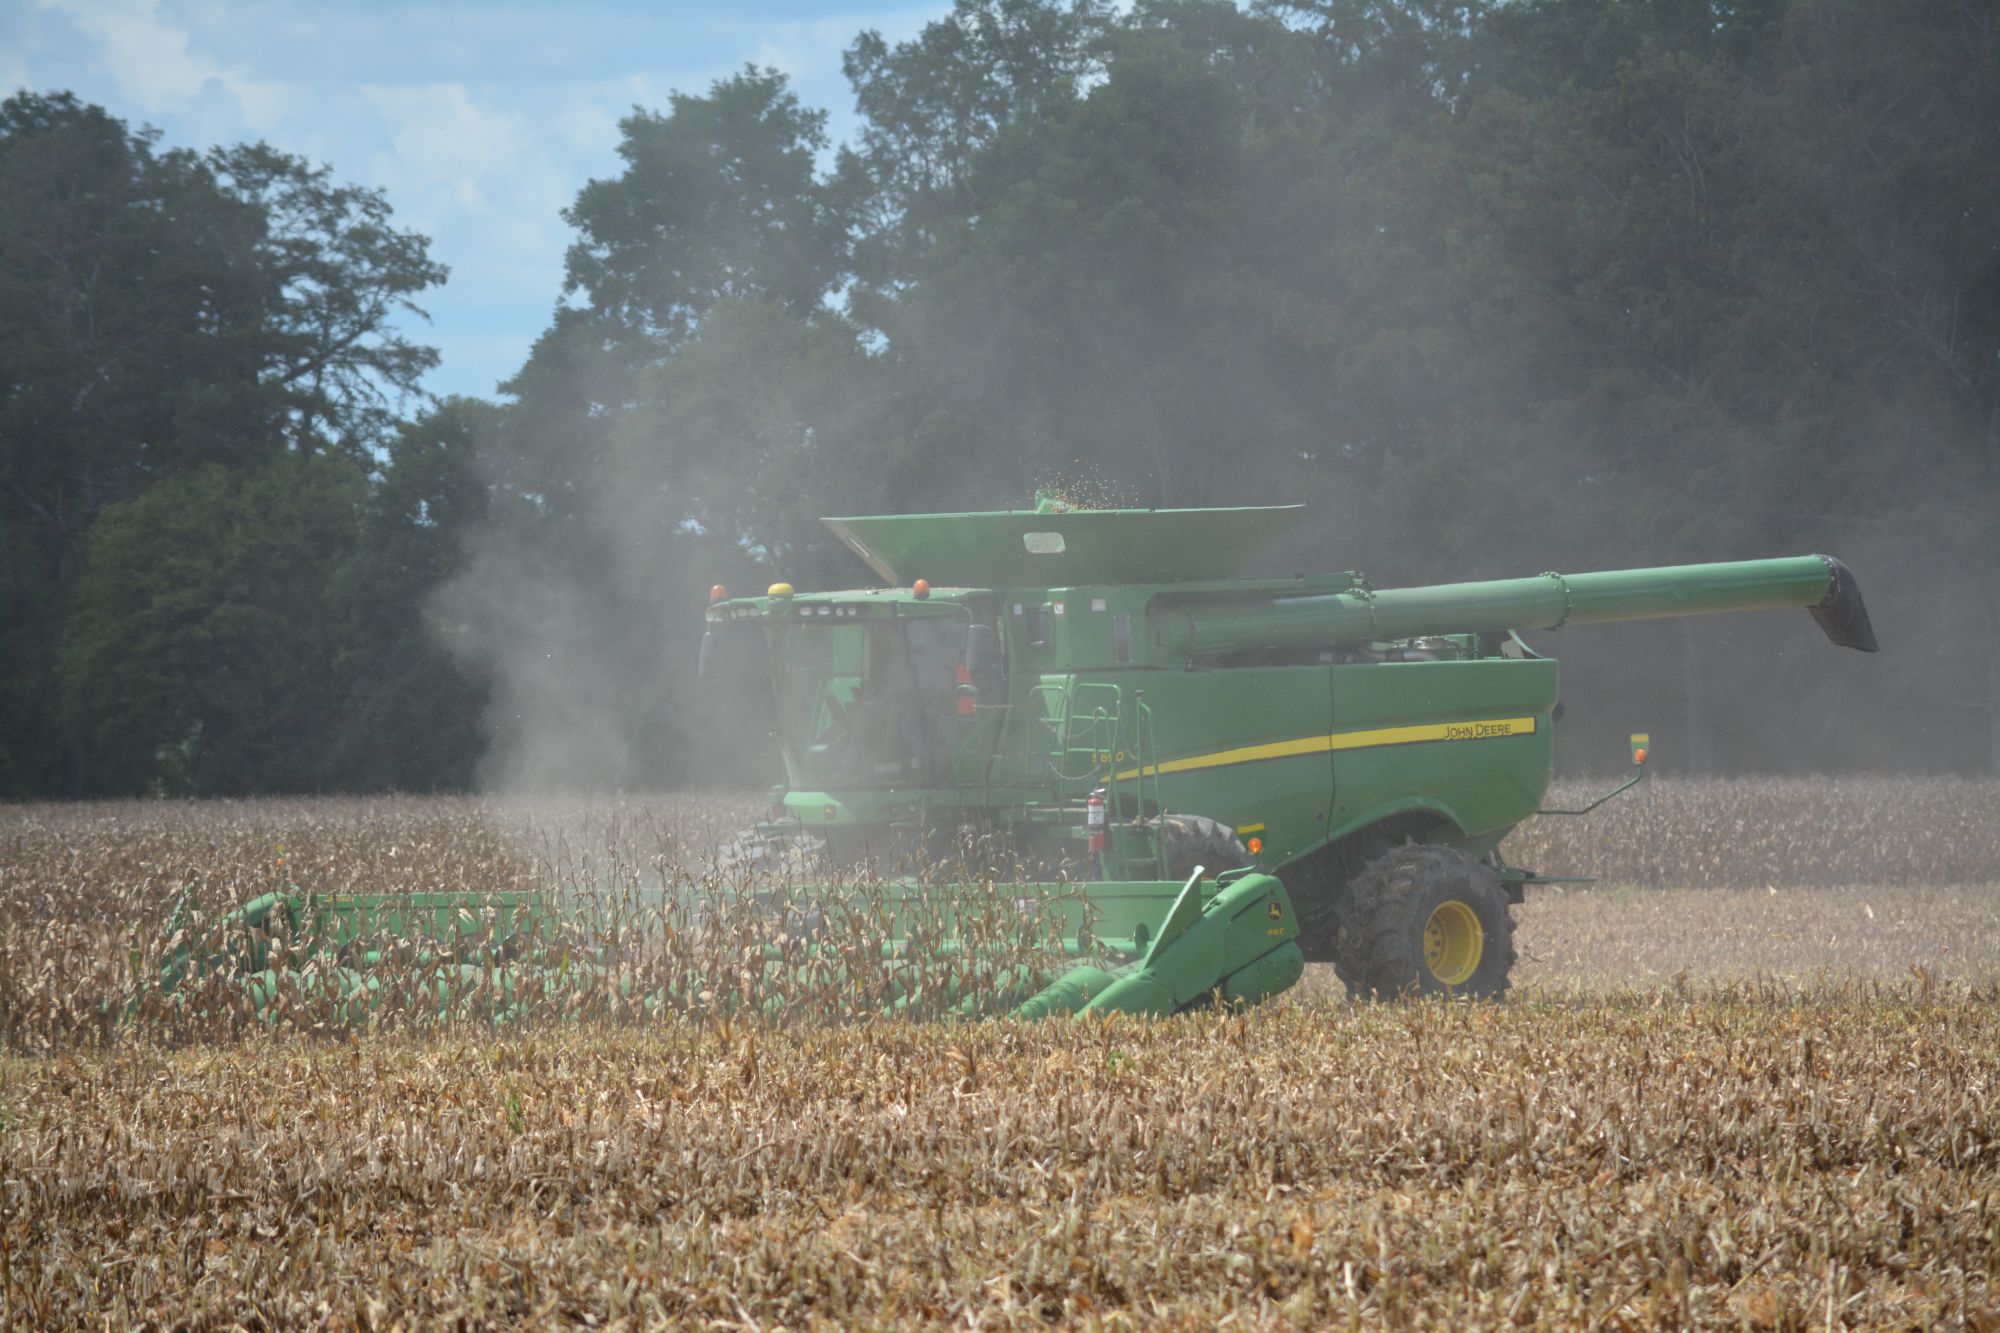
(1426, 921)
(1196, 840)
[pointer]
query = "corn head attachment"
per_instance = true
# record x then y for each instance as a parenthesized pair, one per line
(924, 948)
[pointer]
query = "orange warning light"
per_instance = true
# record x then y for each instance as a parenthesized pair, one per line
(1256, 846)
(1639, 755)
(921, 588)
(717, 593)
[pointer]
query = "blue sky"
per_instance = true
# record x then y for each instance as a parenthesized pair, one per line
(480, 121)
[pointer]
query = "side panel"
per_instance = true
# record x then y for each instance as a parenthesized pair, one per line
(1470, 739)
(1245, 745)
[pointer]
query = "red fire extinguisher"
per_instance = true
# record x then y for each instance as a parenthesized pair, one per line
(1093, 819)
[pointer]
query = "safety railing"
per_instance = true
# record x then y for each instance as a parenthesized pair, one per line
(1091, 723)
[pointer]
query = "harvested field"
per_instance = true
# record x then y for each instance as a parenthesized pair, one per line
(1712, 1102)
(1758, 832)
(1577, 941)
(1738, 1157)
(1624, 938)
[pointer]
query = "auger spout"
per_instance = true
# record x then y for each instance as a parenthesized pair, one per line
(1201, 627)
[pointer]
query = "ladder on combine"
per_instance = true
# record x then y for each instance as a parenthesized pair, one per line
(1088, 722)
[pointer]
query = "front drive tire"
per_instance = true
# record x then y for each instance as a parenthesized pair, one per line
(1426, 921)
(1197, 840)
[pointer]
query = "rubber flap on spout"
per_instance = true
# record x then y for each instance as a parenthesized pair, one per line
(1842, 616)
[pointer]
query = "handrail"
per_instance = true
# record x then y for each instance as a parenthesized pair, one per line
(1145, 742)
(1097, 724)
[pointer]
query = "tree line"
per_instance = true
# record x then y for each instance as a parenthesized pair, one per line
(1494, 288)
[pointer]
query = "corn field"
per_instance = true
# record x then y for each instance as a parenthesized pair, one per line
(111, 909)
(1783, 832)
(1734, 1157)
(1748, 1082)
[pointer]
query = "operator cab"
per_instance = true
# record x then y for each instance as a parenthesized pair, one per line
(871, 686)
(866, 703)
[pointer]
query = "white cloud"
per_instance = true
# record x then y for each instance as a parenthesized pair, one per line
(148, 57)
(480, 122)
(266, 106)
(443, 140)
(587, 126)
(808, 48)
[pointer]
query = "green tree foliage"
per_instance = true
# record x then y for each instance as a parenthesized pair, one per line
(675, 427)
(1201, 241)
(163, 314)
(1494, 287)
(1758, 254)
(199, 655)
(410, 719)
(719, 200)
(336, 276)
(933, 104)
(105, 382)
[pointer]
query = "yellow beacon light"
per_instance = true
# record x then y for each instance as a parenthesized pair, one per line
(778, 590)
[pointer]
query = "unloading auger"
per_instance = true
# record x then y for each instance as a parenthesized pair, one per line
(1205, 780)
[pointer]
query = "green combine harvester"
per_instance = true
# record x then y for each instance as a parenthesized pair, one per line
(1216, 778)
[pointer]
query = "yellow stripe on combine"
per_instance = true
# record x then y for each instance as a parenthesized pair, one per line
(1478, 729)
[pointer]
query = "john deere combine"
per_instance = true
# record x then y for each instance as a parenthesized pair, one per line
(1103, 695)
(1202, 779)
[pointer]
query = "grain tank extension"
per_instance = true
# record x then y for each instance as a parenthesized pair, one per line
(1107, 696)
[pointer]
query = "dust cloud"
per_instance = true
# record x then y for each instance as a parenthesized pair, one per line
(592, 654)
(1449, 380)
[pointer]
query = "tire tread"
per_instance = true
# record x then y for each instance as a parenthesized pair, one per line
(1380, 956)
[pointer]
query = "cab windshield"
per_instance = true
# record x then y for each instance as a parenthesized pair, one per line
(868, 703)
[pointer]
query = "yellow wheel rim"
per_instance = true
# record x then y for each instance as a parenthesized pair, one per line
(1453, 943)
